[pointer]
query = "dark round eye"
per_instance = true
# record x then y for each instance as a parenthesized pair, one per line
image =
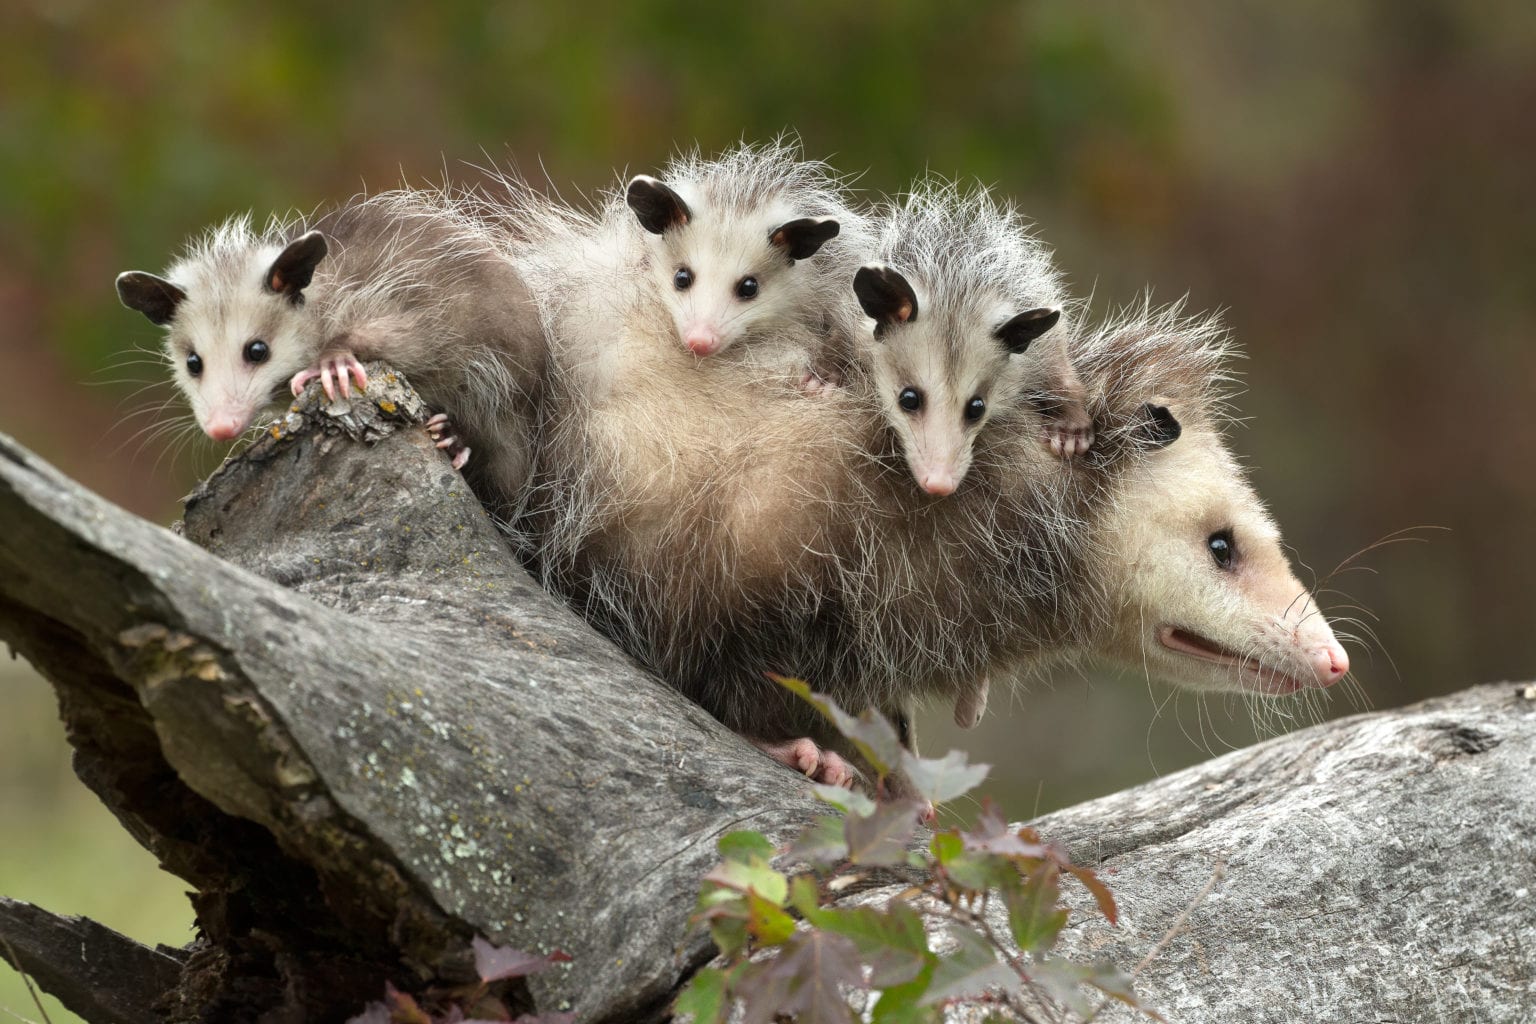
(683, 279)
(910, 399)
(194, 364)
(974, 408)
(1222, 548)
(746, 288)
(257, 351)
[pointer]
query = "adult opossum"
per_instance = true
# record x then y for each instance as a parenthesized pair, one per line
(759, 531)
(404, 277)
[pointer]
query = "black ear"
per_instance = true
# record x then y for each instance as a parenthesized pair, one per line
(657, 206)
(1160, 429)
(801, 238)
(153, 296)
(885, 295)
(295, 266)
(1018, 332)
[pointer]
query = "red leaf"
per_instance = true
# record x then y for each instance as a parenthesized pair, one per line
(1101, 893)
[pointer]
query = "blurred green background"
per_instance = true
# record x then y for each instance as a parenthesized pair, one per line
(1350, 183)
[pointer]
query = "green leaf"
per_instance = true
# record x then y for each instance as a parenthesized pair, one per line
(892, 940)
(805, 981)
(970, 970)
(874, 737)
(823, 843)
(881, 838)
(942, 778)
(727, 923)
(745, 846)
(805, 897)
(756, 877)
(1116, 984)
(978, 872)
(1062, 980)
(705, 998)
(902, 1004)
(767, 922)
(849, 801)
(1034, 914)
(946, 846)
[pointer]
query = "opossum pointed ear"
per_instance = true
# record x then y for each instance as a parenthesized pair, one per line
(1159, 429)
(1018, 332)
(656, 205)
(295, 266)
(801, 239)
(153, 296)
(885, 295)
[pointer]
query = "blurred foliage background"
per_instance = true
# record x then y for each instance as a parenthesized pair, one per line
(1350, 183)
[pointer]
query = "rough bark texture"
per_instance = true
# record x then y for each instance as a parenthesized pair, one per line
(365, 736)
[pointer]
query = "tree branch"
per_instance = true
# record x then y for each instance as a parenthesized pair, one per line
(365, 736)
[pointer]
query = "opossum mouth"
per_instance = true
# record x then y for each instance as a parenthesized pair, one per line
(1266, 680)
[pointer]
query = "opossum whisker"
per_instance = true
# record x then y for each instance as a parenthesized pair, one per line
(1401, 536)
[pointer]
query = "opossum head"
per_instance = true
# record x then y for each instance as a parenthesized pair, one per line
(237, 327)
(725, 277)
(1202, 594)
(941, 371)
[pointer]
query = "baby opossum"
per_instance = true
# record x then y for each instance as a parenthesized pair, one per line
(746, 256)
(401, 277)
(961, 297)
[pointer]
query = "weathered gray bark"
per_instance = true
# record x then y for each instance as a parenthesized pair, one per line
(1376, 868)
(365, 736)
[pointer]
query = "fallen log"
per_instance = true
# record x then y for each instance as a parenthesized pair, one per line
(339, 708)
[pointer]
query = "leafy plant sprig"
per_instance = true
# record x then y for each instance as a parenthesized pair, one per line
(788, 954)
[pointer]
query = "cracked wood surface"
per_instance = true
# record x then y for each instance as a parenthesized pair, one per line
(364, 735)
(431, 745)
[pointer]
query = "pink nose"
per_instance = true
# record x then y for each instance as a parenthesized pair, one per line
(702, 341)
(1329, 663)
(938, 482)
(224, 428)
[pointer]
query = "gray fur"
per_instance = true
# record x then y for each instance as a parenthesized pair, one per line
(973, 268)
(409, 279)
(788, 538)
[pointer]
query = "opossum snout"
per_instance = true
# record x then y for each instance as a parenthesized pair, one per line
(938, 481)
(702, 340)
(225, 426)
(1329, 662)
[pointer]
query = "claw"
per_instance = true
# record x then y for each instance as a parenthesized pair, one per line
(303, 377)
(440, 430)
(805, 757)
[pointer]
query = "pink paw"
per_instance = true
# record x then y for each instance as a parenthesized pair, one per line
(335, 370)
(815, 383)
(1069, 435)
(441, 430)
(805, 757)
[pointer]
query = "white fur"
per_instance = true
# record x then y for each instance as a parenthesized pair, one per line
(412, 278)
(973, 265)
(606, 285)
